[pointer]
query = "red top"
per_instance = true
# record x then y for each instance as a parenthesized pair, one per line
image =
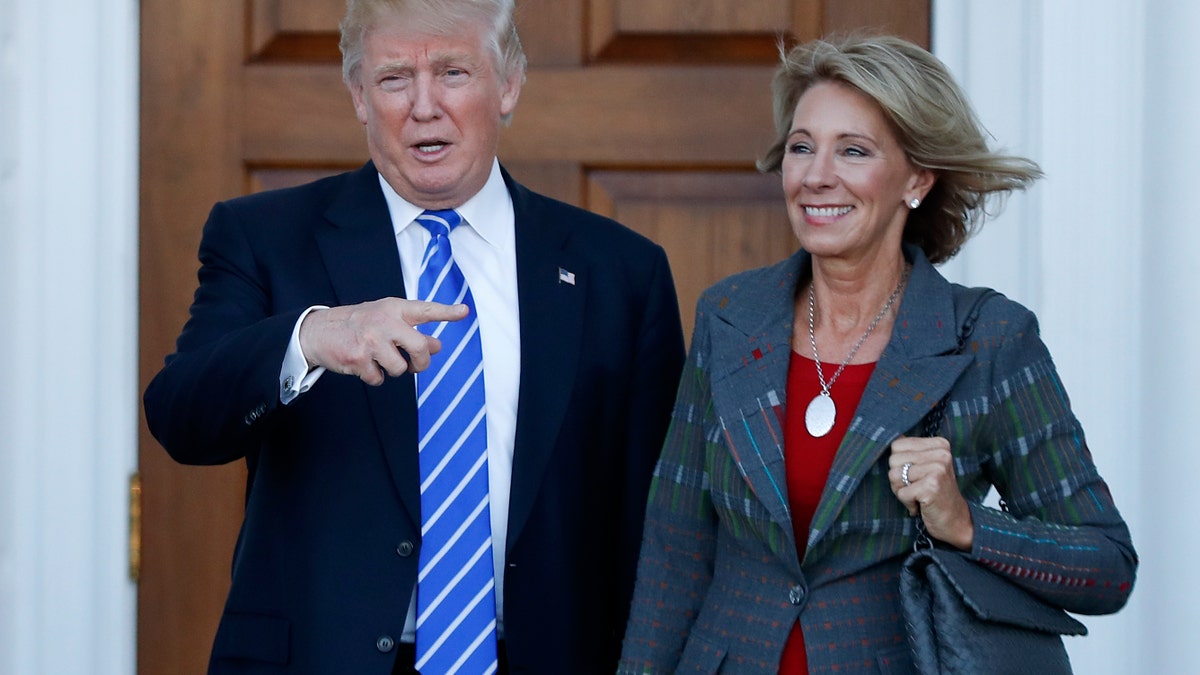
(808, 459)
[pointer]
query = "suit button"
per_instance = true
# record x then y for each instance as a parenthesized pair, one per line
(404, 548)
(385, 644)
(253, 415)
(796, 594)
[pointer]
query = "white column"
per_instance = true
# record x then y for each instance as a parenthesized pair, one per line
(1061, 82)
(68, 298)
(1094, 56)
(994, 51)
(1169, 538)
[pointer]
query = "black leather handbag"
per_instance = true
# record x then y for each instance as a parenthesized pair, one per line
(961, 617)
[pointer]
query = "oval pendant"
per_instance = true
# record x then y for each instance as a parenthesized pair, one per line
(819, 416)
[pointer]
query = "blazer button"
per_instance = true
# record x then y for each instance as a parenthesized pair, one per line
(404, 548)
(385, 644)
(796, 595)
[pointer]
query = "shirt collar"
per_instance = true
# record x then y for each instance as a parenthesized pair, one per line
(491, 199)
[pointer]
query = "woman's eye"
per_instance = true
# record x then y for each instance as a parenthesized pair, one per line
(799, 148)
(855, 151)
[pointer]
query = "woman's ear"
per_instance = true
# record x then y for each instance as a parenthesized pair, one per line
(921, 183)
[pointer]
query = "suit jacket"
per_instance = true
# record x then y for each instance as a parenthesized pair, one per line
(326, 559)
(720, 582)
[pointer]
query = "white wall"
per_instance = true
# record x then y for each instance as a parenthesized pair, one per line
(1103, 94)
(68, 333)
(1169, 149)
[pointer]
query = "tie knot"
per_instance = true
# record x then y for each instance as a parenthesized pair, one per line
(439, 222)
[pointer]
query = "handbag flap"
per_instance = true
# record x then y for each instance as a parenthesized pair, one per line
(990, 596)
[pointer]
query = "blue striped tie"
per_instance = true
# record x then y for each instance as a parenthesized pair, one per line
(456, 601)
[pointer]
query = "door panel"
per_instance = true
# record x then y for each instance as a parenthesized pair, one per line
(712, 223)
(650, 112)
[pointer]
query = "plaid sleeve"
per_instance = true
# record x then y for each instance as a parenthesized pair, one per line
(679, 540)
(1063, 538)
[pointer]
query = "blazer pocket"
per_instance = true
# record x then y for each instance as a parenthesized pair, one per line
(253, 637)
(700, 656)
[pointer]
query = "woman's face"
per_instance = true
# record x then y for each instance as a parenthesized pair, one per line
(845, 177)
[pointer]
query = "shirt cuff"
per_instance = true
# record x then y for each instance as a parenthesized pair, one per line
(295, 378)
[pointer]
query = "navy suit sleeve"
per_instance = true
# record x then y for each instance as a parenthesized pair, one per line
(214, 395)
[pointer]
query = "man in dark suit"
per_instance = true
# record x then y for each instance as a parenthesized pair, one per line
(303, 356)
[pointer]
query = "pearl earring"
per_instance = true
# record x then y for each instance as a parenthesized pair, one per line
(914, 203)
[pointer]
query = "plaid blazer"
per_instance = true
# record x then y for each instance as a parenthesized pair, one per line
(720, 583)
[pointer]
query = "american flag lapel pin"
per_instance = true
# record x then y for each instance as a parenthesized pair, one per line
(565, 277)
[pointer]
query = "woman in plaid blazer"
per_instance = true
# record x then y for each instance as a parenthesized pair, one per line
(775, 533)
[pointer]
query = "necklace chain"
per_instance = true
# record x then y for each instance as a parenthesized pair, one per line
(812, 334)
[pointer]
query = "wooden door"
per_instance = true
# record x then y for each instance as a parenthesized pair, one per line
(650, 111)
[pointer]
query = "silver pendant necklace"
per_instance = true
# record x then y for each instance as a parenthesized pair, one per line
(821, 411)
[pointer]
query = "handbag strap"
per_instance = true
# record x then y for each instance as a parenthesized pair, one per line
(978, 296)
(933, 420)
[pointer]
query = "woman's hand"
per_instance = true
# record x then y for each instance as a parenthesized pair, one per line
(921, 473)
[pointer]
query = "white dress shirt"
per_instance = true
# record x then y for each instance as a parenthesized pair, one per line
(484, 247)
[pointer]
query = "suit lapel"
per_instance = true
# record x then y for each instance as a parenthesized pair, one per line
(751, 349)
(358, 246)
(917, 368)
(551, 314)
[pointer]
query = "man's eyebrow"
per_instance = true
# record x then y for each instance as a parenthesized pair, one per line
(392, 67)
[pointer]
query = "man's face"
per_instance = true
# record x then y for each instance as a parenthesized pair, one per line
(432, 106)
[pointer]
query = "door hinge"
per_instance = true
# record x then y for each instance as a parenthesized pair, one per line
(135, 527)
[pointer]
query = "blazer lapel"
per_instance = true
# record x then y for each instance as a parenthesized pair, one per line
(751, 349)
(552, 285)
(916, 370)
(358, 247)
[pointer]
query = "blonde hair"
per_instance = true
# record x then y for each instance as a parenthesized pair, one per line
(931, 118)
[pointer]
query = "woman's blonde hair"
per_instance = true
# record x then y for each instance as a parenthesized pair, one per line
(931, 118)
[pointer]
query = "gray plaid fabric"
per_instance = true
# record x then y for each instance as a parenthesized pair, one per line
(720, 583)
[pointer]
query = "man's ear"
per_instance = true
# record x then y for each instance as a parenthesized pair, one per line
(357, 96)
(511, 92)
